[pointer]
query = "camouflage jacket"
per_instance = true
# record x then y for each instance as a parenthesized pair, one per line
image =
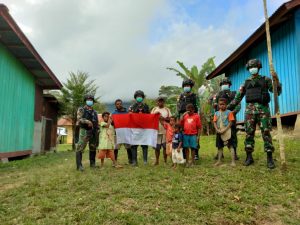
(255, 107)
(83, 120)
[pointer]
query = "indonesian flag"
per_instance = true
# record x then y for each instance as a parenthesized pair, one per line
(136, 128)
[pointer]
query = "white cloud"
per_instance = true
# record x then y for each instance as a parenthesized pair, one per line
(112, 41)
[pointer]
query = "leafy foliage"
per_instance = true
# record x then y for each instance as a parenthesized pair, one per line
(171, 94)
(72, 96)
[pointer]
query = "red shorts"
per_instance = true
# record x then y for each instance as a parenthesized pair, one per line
(106, 154)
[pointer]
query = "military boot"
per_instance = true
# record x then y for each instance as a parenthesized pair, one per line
(270, 162)
(235, 155)
(92, 157)
(78, 161)
(129, 155)
(249, 160)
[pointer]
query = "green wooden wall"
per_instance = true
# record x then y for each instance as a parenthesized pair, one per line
(17, 94)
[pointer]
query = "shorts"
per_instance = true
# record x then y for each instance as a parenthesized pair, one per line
(190, 141)
(106, 154)
(221, 144)
(177, 157)
(161, 139)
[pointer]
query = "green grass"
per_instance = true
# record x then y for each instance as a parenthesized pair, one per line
(48, 190)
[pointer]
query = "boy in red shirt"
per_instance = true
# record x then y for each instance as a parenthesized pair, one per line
(191, 124)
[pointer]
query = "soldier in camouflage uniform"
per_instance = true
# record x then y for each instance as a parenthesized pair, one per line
(256, 89)
(225, 93)
(188, 97)
(87, 119)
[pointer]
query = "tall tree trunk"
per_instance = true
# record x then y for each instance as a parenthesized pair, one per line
(275, 85)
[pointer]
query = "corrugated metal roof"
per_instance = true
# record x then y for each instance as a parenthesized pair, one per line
(12, 37)
(281, 15)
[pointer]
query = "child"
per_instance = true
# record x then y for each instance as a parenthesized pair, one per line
(177, 154)
(169, 134)
(191, 124)
(222, 122)
(106, 138)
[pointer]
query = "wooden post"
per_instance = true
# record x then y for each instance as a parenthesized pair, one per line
(275, 85)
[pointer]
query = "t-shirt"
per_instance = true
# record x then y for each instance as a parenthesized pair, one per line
(169, 132)
(177, 138)
(224, 116)
(191, 124)
(164, 112)
(106, 138)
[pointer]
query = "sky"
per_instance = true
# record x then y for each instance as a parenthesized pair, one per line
(126, 45)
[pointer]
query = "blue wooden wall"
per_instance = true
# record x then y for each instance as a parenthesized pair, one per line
(286, 55)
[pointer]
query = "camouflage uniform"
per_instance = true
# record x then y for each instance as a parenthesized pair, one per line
(185, 99)
(257, 112)
(87, 134)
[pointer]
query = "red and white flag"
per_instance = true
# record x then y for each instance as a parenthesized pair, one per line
(136, 128)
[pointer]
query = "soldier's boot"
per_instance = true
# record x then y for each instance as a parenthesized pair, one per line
(134, 157)
(129, 155)
(78, 161)
(235, 155)
(249, 160)
(197, 154)
(270, 162)
(145, 155)
(92, 156)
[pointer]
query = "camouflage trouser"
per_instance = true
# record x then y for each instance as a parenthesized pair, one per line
(263, 119)
(87, 136)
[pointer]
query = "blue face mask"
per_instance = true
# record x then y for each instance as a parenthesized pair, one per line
(139, 99)
(253, 71)
(89, 102)
(225, 87)
(187, 89)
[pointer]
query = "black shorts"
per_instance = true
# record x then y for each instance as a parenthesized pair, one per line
(221, 144)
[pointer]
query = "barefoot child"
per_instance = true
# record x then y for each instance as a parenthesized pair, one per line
(222, 122)
(191, 124)
(177, 154)
(169, 134)
(106, 138)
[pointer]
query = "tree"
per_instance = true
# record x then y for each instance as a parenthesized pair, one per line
(72, 96)
(194, 74)
(171, 94)
(205, 88)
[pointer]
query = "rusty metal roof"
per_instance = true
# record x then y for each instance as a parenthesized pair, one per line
(12, 37)
(279, 16)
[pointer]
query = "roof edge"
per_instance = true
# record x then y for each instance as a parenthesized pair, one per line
(4, 12)
(273, 19)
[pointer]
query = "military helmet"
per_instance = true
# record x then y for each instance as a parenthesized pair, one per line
(89, 96)
(188, 82)
(139, 93)
(225, 80)
(253, 63)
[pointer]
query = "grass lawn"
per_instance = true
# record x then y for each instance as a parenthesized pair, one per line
(48, 190)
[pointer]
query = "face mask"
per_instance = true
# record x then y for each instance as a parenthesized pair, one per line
(89, 102)
(253, 71)
(225, 87)
(139, 99)
(187, 89)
